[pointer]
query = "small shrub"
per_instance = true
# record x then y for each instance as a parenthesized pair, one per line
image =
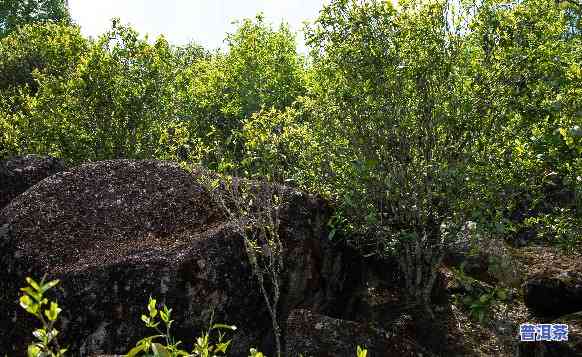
(147, 347)
(34, 302)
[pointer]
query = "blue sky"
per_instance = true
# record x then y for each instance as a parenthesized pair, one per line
(181, 21)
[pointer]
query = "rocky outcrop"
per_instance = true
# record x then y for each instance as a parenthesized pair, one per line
(484, 258)
(554, 294)
(115, 232)
(20, 173)
(321, 336)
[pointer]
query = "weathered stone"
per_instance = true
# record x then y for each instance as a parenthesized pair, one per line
(318, 335)
(20, 173)
(115, 232)
(485, 259)
(554, 295)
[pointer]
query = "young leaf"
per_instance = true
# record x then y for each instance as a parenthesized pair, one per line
(33, 293)
(152, 307)
(29, 305)
(160, 351)
(223, 326)
(49, 285)
(33, 283)
(136, 350)
(222, 347)
(53, 312)
(361, 352)
(40, 334)
(33, 351)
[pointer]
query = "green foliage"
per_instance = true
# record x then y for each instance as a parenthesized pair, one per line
(279, 147)
(525, 61)
(52, 49)
(479, 299)
(204, 347)
(480, 306)
(398, 109)
(114, 103)
(361, 352)
(46, 312)
(14, 13)
(394, 85)
(31, 52)
(260, 69)
(560, 227)
(396, 104)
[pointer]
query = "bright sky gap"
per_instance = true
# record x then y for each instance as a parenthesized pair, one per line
(205, 22)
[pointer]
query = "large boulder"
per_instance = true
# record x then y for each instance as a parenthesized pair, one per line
(554, 294)
(20, 173)
(118, 231)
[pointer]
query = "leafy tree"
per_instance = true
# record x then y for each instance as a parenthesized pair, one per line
(15, 13)
(261, 68)
(398, 112)
(188, 55)
(279, 147)
(526, 69)
(49, 48)
(34, 50)
(115, 103)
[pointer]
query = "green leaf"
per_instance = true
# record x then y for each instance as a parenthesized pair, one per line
(33, 283)
(152, 307)
(136, 350)
(160, 350)
(53, 312)
(40, 334)
(52, 334)
(33, 293)
(222, 347)
(33, 351)
(361, 352)
(223, 326)
(49, 285)
(164, 316)
(145, 319)
(30, 306)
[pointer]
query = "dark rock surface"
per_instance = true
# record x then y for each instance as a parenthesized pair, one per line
(554, 294)
(322, 336)
(117, 231)
(20, 173)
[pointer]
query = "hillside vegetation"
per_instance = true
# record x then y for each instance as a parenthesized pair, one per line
(416, 121)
